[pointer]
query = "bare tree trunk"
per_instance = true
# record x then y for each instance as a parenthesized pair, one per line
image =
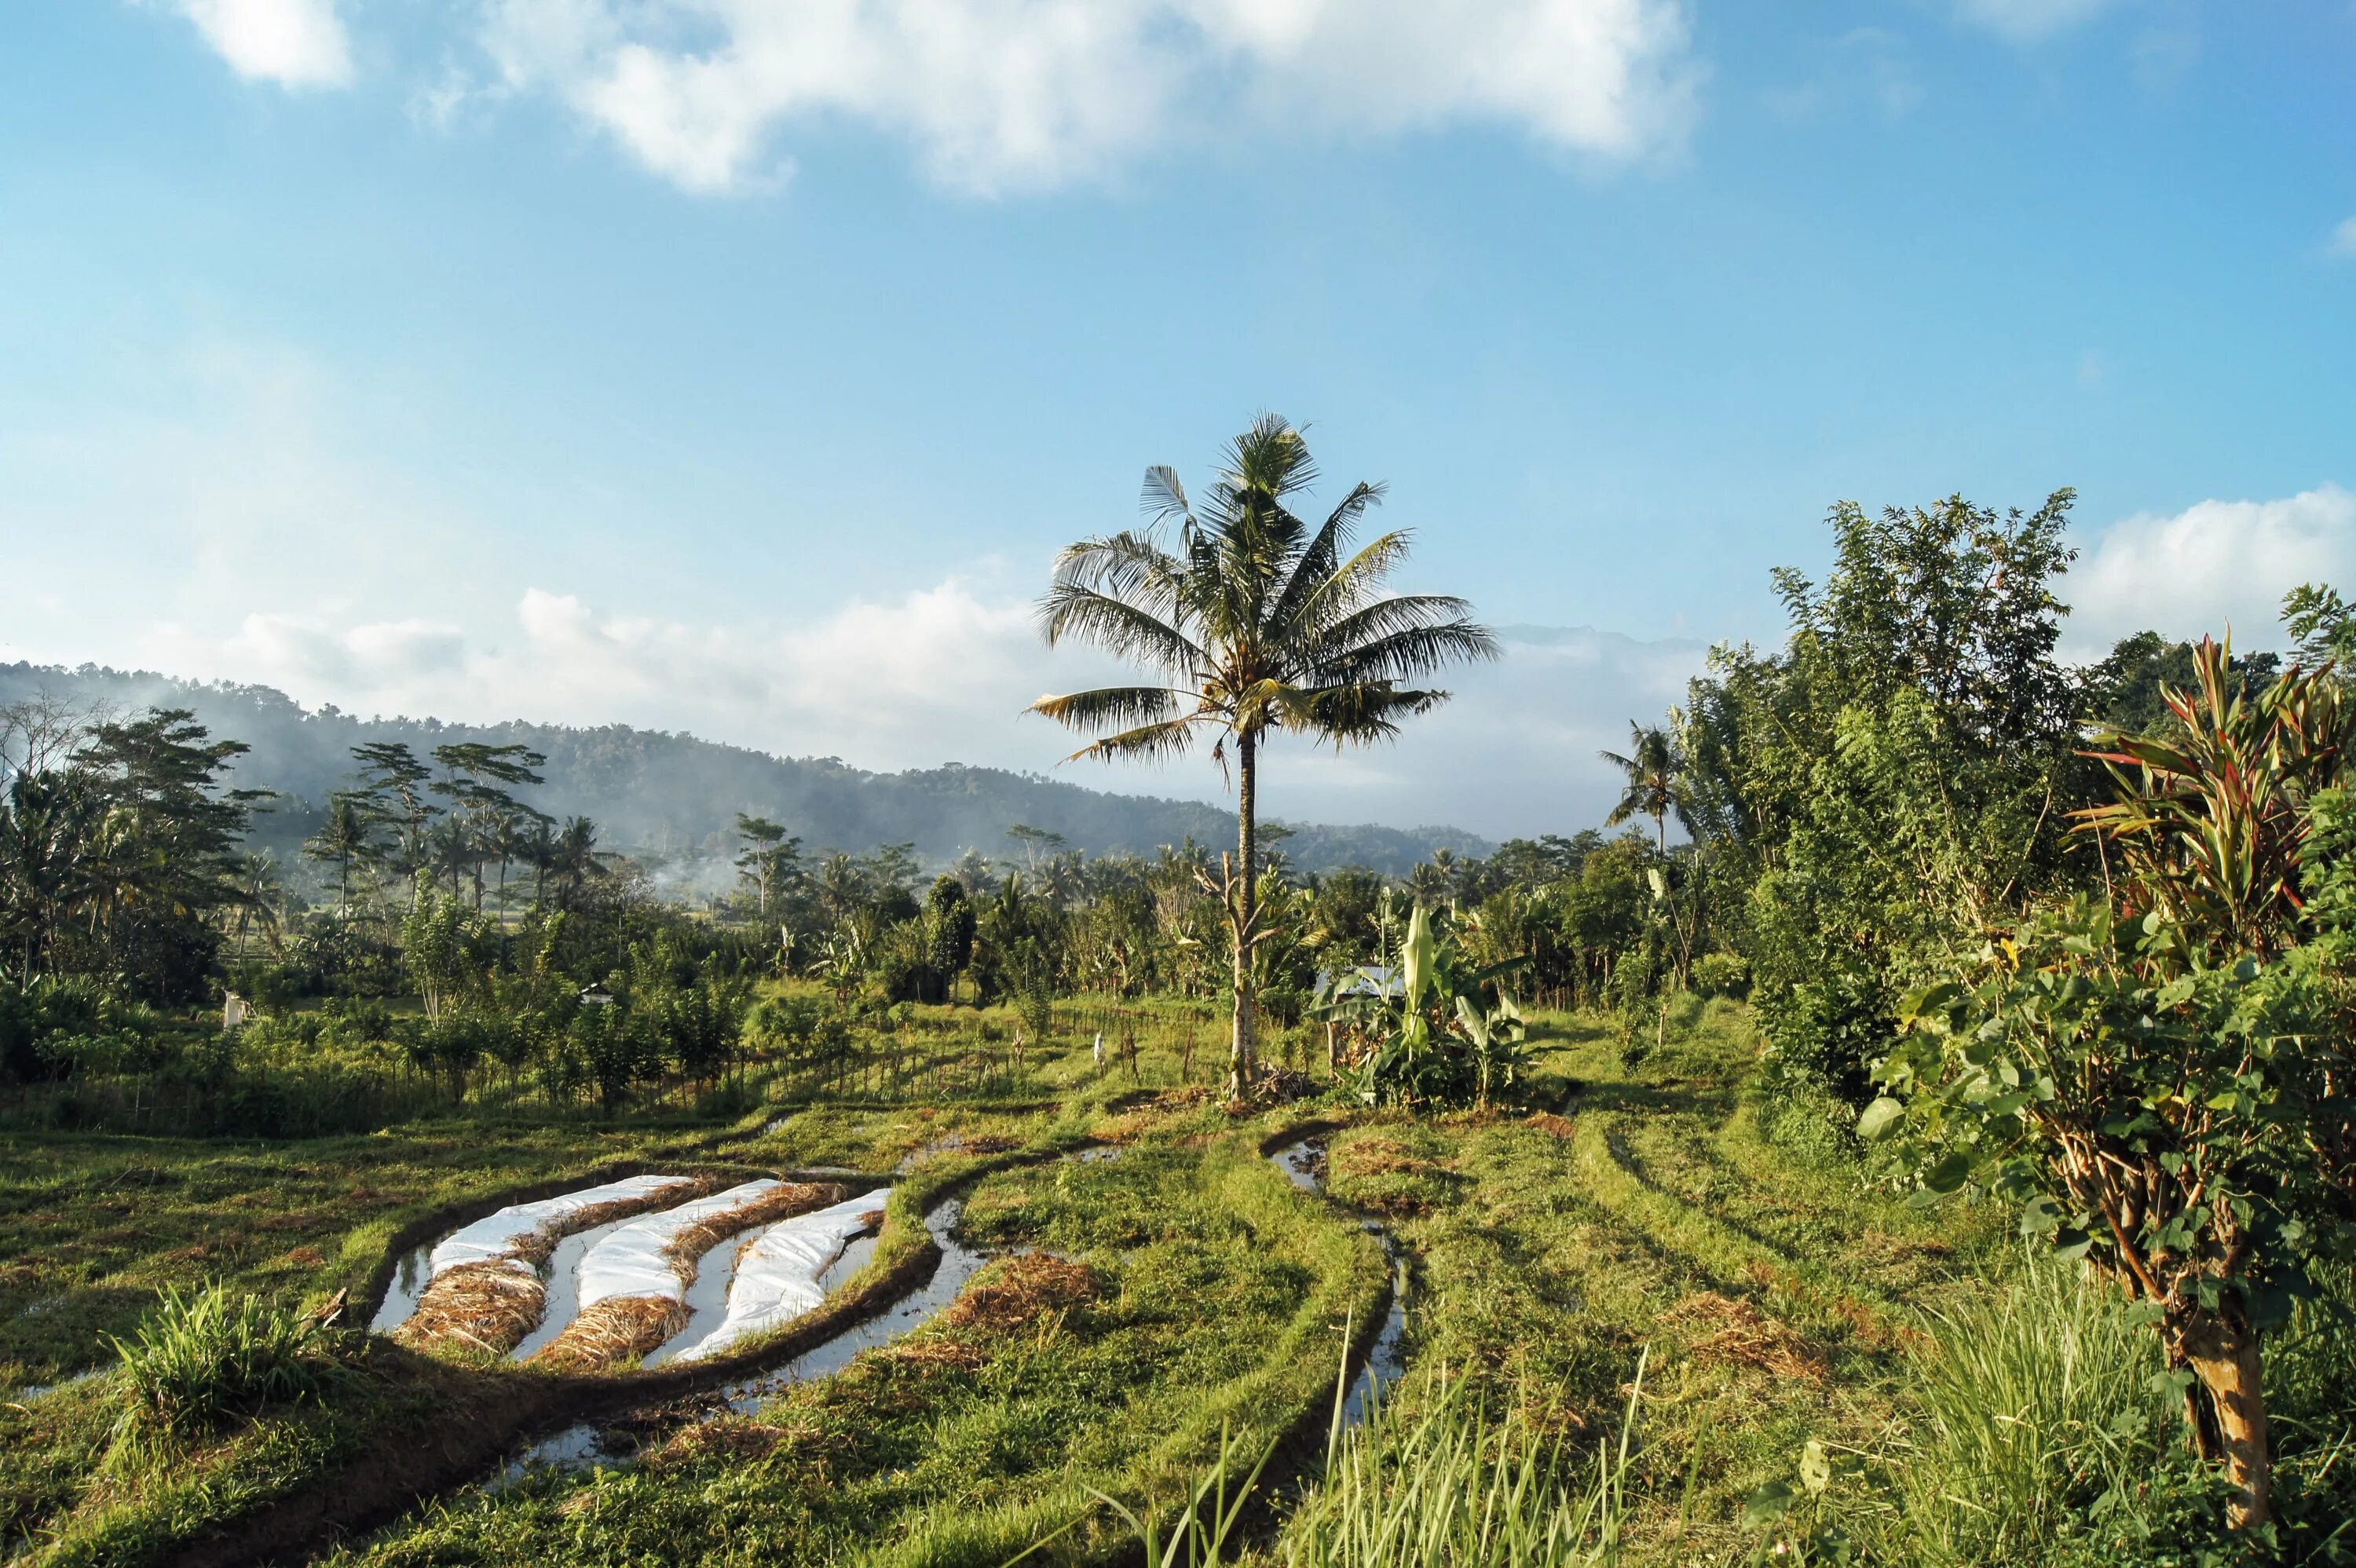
(2224, 1354)
(1247, 1031)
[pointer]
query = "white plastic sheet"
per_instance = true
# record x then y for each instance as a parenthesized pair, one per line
(776, 1273)
(496, 1238)
(630, 1261)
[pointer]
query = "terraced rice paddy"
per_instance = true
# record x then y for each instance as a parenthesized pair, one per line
(1061, 1302)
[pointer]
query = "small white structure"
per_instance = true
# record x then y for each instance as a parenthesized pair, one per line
(234, 1011)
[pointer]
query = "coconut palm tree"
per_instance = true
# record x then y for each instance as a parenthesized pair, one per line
(575, 861)
(1656, 782)
(1259, 621)
(345, 837)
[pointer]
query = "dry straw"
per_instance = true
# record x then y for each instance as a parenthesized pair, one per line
(623, 1327)
(493, 1305)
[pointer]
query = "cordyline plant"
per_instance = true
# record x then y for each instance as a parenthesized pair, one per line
(1258, 621)
(2164, 1087)
(2211, 819)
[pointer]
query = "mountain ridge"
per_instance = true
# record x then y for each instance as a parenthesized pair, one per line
(669, 791)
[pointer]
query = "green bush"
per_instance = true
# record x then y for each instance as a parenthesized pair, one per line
(1832, 1028)
(1722, 974)
(204, 1356)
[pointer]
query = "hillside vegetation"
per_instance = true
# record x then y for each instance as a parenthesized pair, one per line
(673, 793)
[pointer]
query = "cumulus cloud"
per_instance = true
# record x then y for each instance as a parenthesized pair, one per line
(943, 674)
(296, 43)
(1010, 94)
(2214, 564)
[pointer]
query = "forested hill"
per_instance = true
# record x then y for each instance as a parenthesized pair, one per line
(672, 792)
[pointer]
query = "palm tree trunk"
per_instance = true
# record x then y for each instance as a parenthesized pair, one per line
(1245, 1044)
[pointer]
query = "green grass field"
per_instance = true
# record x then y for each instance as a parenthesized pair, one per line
(1142, 1309)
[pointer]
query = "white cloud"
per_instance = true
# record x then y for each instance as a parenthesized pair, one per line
(296, 43)
(1010, 94)
(943, 674)
(2214, 564)
(2343, 239)
(2026, 21)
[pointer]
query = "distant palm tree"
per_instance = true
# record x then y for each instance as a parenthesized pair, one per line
(342, 838)
(1260, 622)
(575, 860)
(538, 852)
(1656, 782)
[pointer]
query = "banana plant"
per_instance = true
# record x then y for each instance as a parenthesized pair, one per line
(1439, 1037)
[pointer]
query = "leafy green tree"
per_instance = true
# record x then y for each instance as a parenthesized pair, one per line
(2128, 690)
(1035, 842)
(949, 928)
(2162, 1086)
(575, 863)
(1260, 622)
(126, 860)
(478, 780)
(448, 949)
(2154, 1114)
(393, 790)
(1898, 779)
(769, 860)
(2325, 625)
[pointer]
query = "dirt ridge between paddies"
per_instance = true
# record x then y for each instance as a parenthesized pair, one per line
(499, 1407)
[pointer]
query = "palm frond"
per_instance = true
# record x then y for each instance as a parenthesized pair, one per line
(1352, 585)
(1127, 565)
(1164, 497)
(1111, 704)
(1398, 639)
(1355, 712)
(1314, 573)
(1271, 457)
(1128, 630)
(1147, 742)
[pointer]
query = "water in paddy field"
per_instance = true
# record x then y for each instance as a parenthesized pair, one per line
(1304, 1164)
(707, 1299)
(409, 1276)
(958, 1263)
(854, 1256)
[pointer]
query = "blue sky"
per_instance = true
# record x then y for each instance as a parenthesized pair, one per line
(735, 365)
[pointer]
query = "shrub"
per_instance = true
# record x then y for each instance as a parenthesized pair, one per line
(204, 1356)
(1722, 974)
(1833, 1028)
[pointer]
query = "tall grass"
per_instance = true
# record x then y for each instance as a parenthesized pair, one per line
(1446, 1483)
(2037, 1406)
(205, 1356)
(1458, 1484)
